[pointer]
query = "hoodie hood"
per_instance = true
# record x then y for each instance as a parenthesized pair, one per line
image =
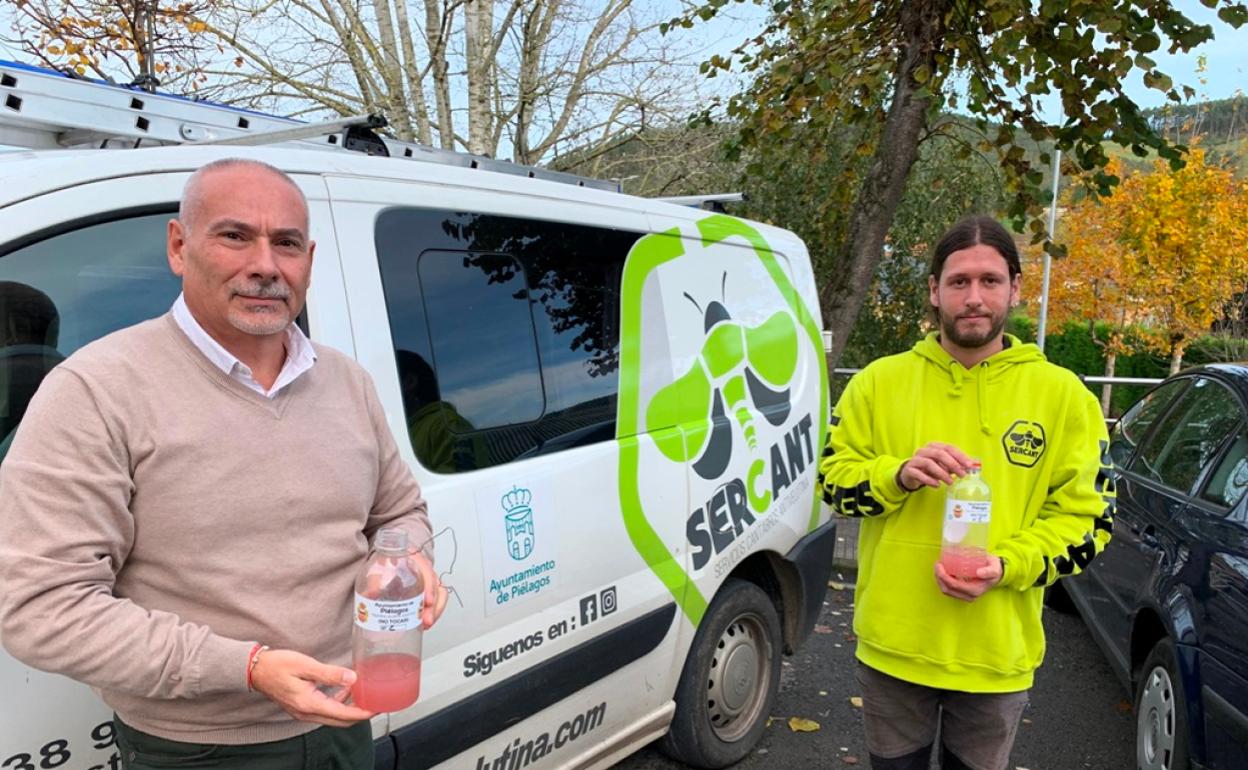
(951, 371)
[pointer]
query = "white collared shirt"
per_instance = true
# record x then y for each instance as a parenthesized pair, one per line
(299, 352)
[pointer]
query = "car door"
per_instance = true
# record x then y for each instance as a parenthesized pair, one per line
(1166, 470)
(1218, 523)
(1107, 588)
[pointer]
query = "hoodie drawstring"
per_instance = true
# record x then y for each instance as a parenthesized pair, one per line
(981, 393)
(958, 374)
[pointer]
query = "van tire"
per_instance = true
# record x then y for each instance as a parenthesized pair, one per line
(715, 726)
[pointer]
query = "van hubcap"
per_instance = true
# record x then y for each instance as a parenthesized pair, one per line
(1155, 726)
(739, 678)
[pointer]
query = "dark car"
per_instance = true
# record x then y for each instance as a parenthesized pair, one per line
(1168, 599)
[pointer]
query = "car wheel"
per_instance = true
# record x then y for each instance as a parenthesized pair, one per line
(729, 681)
(1161, 712)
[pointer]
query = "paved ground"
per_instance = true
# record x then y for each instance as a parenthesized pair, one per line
(1079, 715)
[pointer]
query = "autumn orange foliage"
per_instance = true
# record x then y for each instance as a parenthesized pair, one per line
(1164, 253)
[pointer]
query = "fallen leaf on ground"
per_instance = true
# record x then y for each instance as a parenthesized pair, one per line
(801, 725)
(849, 759)
(1124, 706)
(856, 702)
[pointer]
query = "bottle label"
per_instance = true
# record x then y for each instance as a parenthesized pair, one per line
(380, 615)
(968, 511)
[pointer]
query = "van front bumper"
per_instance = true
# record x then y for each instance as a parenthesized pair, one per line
(811, 558)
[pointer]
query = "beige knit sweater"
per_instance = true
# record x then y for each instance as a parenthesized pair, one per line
(158, 518)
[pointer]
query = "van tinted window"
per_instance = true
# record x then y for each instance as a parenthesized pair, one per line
(69, 289)
(506, 333)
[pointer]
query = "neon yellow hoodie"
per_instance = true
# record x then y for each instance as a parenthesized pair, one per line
(1041, 438)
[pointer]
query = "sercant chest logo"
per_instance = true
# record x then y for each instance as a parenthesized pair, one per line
(1024, 443)
(741, 372)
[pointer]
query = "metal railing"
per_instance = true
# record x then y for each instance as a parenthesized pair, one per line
(1086, 378)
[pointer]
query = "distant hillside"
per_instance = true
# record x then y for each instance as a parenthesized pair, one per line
(683, 160)
(1224, 121)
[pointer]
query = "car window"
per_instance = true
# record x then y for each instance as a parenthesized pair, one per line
(69, 289)
(1189, 436)
(1134, 425)
(1229, 479)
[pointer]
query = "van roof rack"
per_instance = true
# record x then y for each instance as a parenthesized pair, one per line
(714, 202)
(45, 109)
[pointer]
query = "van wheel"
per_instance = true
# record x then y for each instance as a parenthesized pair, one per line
(1161, 712)
(729, 681)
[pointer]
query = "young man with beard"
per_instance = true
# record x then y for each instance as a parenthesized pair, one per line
(935, 650)
(188, 501)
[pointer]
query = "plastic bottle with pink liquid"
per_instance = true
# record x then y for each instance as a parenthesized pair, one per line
(968, 513)
(386, 638)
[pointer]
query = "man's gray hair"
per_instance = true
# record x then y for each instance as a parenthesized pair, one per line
(191, 192)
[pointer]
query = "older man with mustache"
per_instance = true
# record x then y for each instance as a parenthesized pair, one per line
(188, 501)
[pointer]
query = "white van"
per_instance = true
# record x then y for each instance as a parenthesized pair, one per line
(615, 407)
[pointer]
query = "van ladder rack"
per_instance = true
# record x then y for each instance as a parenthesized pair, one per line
(45, 109)
(713, 202)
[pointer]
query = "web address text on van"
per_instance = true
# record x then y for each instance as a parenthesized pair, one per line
(521, 754)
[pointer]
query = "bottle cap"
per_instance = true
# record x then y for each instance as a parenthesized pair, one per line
(392, 539)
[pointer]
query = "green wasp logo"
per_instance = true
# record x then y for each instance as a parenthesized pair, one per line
(735, 362)
(738, 365)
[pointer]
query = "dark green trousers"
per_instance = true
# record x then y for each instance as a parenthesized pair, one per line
(325, 748)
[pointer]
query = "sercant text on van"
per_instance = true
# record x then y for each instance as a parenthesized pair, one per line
(712, 528)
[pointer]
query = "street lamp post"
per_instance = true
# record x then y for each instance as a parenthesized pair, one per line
(1048, 259)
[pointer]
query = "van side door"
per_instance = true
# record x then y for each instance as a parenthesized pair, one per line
(490, 322)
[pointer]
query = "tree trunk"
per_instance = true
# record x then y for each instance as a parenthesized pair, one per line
(922, 31)
(437, 31)
(414, 81)
(478, 29)
(531, 47)
(1107, 390)
(1178, 347)
(390, 68)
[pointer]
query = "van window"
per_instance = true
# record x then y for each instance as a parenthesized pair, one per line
(477, 302)
(67, 290)
(506, 333)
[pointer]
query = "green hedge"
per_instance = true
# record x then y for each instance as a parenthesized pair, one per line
(1073, 348)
